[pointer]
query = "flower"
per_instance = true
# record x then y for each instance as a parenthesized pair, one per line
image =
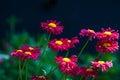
(88, 72)
(58, 44)
(26, 52)
(72, 42)
(87, 32)
(107, 46)
(66, 64)
(102, 64)
(38, 78)
(108, 34)
(52, 26)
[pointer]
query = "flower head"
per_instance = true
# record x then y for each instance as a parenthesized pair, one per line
(58, 45)
(38, 78)
(88, 72)
(108, 34)
(52, 26)
(66, 64)
(26, 52)
(72, 42)
(107, 46)
(87, 32)
(102, 64)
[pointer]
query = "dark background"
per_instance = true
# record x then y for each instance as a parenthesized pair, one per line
(73, 14)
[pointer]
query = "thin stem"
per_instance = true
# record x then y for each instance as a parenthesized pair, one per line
(93, 78)
(20, 71)
(26, 69)
(81, 78)
(67, 53)
(46, 44)
(83, 48)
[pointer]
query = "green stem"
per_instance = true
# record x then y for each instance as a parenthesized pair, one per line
(67, 53)
(46, 44)
(26, 69)
(93, 78)
(20, 71)
(81, 78)
(83, 48)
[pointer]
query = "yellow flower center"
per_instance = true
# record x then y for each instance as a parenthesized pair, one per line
(58, 42)
(19, 51)
(106, 44)
(53, 25)
(101, 62)
(29, 53)
(89, 70)
(90, 30)
(107, 33)
(41, 77)
(69, 41)
(66, 59)
(30, 48)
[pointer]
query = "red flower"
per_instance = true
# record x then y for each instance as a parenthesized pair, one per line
(87, 32)
(26, 52)
(58, 45)
(67, 64)
(52, 26)
(39, 78)
(88, 72)
(108, 34)
(102, 64)
(72, 42)
(107, 46)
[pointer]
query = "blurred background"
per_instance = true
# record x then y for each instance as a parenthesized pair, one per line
(20, 24)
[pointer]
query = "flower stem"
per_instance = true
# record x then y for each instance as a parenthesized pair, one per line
(20, 71)
(67, 53)
(26, 69)
(93, 78)
(81, 78)
(83, 48)
(46, 44)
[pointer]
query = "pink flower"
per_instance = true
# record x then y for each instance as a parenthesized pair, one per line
(87, 32)
(66, 64)
(72, 42)
(102, 64)
(38, 78)
(58, 45)
(52, 26)
(88, 72)
(26, 52)
(107, 46)
(108, 34)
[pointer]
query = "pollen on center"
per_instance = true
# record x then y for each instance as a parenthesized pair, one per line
(30, 48)
(106, 44)
(19, 51)
(29, 53)
(89, 70)
(107, 33)
(101, 62)
(90, 30)
(66, 59)
(69, 41)
(58, 42)
(53, 25)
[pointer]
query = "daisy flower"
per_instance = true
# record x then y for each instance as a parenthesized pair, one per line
(52, 26)
(87, 32)
(58, 44)
(66, 64)
(26, 52)
(107, 34)
(101, 64)
(107, 46)
(72, 42)
(88, 72)
(38, 78)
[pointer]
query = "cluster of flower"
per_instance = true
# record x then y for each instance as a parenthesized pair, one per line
(106, 42)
